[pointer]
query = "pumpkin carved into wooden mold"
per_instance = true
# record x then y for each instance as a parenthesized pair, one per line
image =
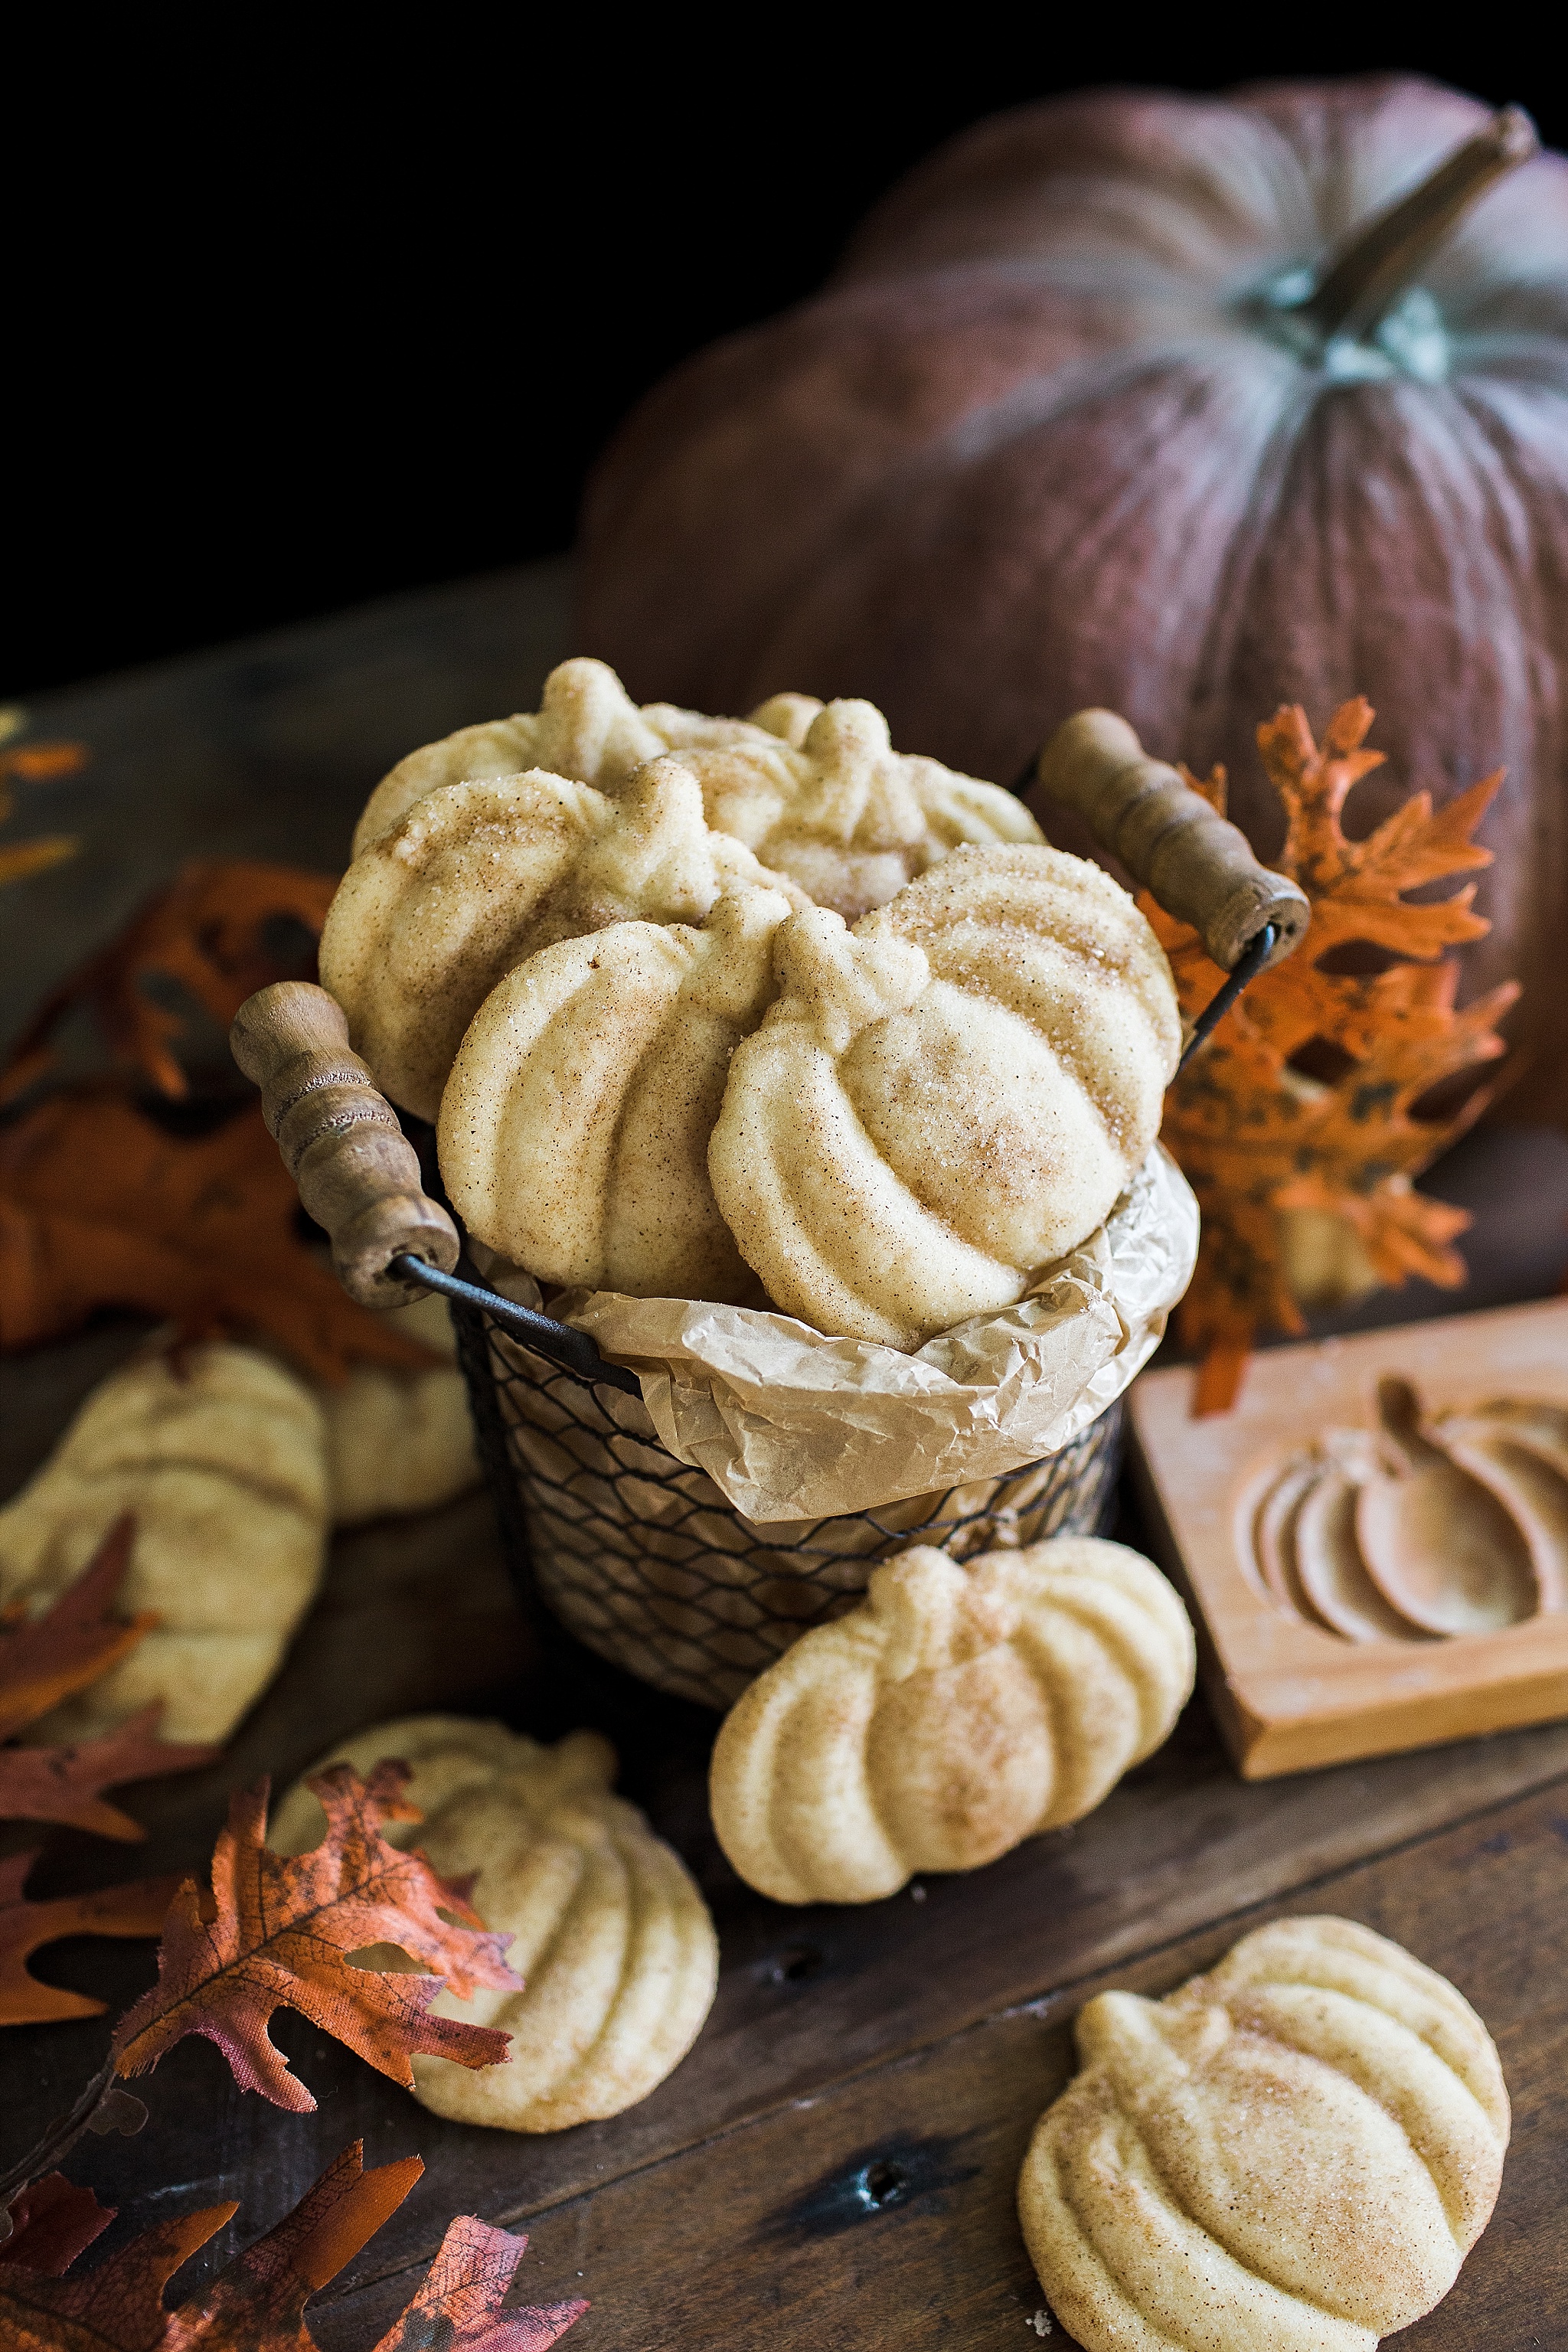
(1410, 1529)
(956, 1711)
(1119, 400)
(608, 1930)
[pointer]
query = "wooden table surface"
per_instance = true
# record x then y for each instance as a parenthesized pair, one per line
(834, 2165)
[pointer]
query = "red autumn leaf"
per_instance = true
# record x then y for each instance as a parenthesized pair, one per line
(208, 932)
(62, 1784)
(465, 2287)
(281, 1936)
(51, 2220)
(73, 1642)
(135, 1910)
(100, 1207)
(119, 2307)
(258, 2304)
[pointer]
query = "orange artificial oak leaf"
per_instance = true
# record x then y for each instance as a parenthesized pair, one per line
(51, 2220)
(137, 1909)
(74, 1641)
(63, 1784)
(209, 933)
(463, 2292)
(99, 1206)
(1257, 1136)
(258, 2303)
(119, 2307)
(41, 1662)
(281, 1936)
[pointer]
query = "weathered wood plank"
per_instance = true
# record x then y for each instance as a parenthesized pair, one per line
(267, 749)
(807, 2000)
(765, 2236)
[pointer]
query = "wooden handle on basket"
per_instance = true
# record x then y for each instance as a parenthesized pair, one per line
(357, 1172)
(1200, 867)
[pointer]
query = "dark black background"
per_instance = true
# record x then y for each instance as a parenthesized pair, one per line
(294, 325)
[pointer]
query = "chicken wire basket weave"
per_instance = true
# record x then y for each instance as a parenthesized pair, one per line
(638, 1554)
(643, 1559)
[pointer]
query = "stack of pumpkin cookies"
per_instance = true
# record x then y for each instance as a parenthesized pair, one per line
(725, 1008)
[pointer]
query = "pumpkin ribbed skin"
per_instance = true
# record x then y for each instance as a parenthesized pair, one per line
(1292, 2154)
(574, 1130)
(608, 1928)
(223, 1459)
(1031, 451)
(956, 1711)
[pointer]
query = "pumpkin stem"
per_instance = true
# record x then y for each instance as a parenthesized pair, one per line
(1399, 1414)
(1365, 275)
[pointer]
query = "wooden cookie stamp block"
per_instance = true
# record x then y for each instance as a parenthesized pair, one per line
(1268, 1515)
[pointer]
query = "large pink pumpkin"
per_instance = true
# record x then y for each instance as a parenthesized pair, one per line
(1046, 440)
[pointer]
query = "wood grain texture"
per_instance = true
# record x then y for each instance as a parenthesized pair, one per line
(1291, 1695)
(358, 1178)
(771, 2236)
(924, 2032)
(1200, 868)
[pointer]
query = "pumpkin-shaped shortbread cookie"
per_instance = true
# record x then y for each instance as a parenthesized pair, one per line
(587, 728)
(609, 1932)
(401, 1441)
(1293, 2153)
(574, 1127)
(221, 1455)
(956, 1711)
(478, 876)
(820, 793)
(947, 1099)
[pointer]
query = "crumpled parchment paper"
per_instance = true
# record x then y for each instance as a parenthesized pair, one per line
(791, 1425)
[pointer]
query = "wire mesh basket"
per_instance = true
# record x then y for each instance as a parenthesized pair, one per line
(636, 1553)
(644, 1561)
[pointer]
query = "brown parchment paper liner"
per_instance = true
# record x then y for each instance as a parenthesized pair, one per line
(790, 1425)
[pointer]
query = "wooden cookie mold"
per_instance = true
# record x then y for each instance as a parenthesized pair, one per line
(1375, 1534)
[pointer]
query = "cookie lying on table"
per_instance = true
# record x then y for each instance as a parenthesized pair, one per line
(960, 1709)
(1293, 2153)
(608, 1930)
(221, 1455)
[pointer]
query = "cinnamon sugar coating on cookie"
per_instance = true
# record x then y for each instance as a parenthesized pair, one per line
(947, 1099)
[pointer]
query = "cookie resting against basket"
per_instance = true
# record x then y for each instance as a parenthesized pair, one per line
(815, 1096)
